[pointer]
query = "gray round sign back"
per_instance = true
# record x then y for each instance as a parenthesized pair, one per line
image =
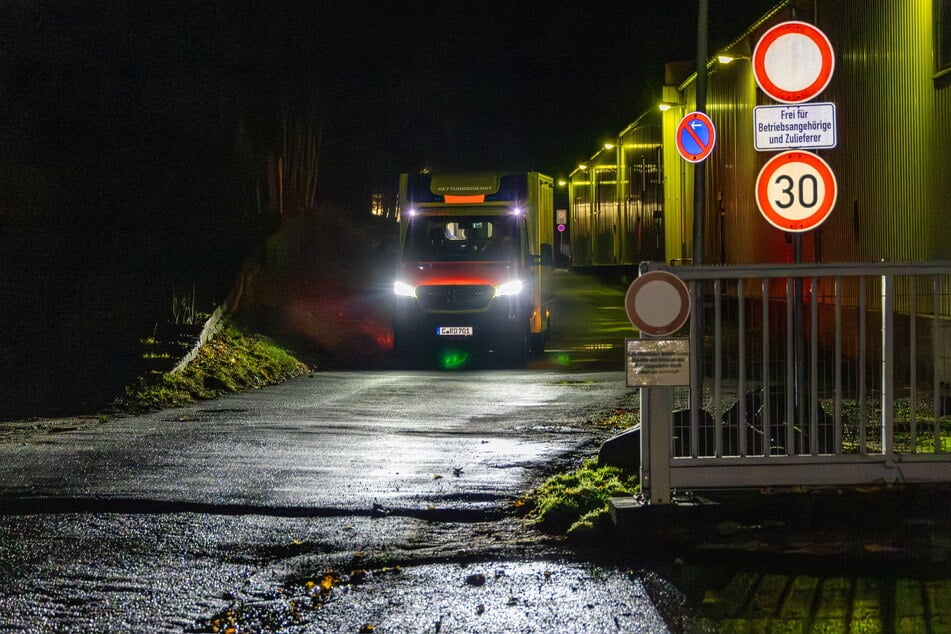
(657, 303)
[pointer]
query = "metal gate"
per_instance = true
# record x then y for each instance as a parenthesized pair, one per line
(815, 375)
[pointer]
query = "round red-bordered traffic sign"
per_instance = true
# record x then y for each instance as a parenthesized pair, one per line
(696, 136)
(793, 62)
(657, 303)
(796, 191)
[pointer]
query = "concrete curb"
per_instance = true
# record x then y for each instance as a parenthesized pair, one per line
(212, 324)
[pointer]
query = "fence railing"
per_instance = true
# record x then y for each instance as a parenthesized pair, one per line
(806, 375)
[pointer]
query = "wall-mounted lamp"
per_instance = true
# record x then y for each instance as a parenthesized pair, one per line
(669, 98)
(582, 166)
(562, 182)
(726, 59)
(608, 146)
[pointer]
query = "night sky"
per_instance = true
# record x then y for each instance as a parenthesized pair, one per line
(397, 85)
(499, 85)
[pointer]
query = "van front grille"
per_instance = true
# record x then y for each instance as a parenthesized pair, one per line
(454, 297)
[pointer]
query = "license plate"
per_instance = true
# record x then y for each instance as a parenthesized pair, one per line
(454, 331)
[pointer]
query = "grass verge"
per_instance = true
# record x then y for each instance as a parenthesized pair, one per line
(576, 503)
(232, 361)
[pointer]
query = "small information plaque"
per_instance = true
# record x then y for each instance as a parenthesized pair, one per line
(657, 362)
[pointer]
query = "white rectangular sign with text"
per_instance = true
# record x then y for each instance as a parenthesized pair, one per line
(794, 126)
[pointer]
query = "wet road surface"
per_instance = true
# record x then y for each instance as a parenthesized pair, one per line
(167, 519)
(398, 485)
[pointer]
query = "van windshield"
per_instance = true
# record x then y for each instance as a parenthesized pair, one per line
(465, 238)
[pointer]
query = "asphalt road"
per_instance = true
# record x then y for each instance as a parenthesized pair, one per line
(340, 501)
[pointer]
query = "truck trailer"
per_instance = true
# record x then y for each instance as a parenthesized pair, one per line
(475, 263)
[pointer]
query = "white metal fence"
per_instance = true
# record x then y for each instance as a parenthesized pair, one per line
(806, 375)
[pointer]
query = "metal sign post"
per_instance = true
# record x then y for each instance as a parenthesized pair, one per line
(796, 190)
(658, 305)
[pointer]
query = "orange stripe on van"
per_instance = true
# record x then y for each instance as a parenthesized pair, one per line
(456, 200)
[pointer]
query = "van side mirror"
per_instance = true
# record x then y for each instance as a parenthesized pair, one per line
(545, 258)
(548, 256)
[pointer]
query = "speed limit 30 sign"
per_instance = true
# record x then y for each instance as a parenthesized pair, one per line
(796, 191)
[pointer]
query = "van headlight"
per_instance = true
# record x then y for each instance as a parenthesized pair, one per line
(509, 288)
(402, 289)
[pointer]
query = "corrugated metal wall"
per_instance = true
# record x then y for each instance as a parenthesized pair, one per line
(641, 191)
(606, 216)
(580, 217)
(891, 161)
(596, 212)
(678, 190)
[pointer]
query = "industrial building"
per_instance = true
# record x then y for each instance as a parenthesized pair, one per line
(632, 200)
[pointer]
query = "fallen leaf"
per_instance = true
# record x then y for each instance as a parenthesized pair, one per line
(878, 548)
(326, 583)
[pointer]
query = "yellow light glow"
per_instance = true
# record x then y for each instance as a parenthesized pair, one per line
(725, 59)
(664, 107)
